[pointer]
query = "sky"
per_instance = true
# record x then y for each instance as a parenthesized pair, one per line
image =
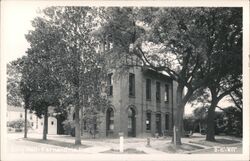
(15, 23)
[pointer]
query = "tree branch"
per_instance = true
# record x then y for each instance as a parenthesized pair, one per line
(229, 91)
(235, 102)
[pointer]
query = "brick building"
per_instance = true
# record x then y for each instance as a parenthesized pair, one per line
(142, 104)
(142, 101)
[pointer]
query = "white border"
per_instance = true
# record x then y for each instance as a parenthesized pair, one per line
(170, 3)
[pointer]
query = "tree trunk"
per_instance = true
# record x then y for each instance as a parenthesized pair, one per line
(81, 121)
(77, 121)
(210, 122)
(77, 127)
(25, 121)
(26, 106)
(178, 117)
(45, 125)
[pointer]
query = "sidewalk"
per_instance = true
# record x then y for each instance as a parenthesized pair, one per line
(149, 150)
(94, 146)
(211, 148)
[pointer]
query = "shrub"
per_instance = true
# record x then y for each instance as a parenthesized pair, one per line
(69, 127)
(18, 125)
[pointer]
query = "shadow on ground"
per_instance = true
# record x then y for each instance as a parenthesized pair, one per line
(170, 148)
(226, 141)
(126, 151)
(57, 143)
(217, 142)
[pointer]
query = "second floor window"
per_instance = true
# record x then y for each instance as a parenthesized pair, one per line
(131, 84)
(166, 93)
(158, 91)
(110, 84)
(148, 89)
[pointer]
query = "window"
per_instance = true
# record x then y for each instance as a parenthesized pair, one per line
(21, 115)
(158, 123)
(110, 84)
(166, 93)
(148, 89)
(41, 123)
(148, 121)
(131, 119)
(129, 124)
(52, 122)
(158, 91)
(110, 119)
(32, 124)
(30, 117)
(131, 84)
(166, 122)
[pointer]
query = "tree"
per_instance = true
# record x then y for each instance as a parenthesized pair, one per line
(17, 94)
(179, 41)
(13, 83)
(236, 98)
(40, 79)
(225, 76)
(63, 34)
(79, 55)
(233, 118)
(200, 115)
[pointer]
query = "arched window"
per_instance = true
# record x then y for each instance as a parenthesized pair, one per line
(110, 119)
(131, 122)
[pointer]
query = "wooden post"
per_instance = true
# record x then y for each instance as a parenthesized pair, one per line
(121, 142)
(148, 142)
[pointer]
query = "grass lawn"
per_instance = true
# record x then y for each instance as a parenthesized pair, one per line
(218, 142)
(126, 151)
(170, 148)
(57, 143)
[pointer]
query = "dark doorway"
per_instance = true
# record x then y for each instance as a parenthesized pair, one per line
(158, 124)
(60, 119)
(131, 122)
(109, 122)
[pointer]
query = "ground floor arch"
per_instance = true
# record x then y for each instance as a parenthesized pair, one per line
(131, 122)
(109, 122)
